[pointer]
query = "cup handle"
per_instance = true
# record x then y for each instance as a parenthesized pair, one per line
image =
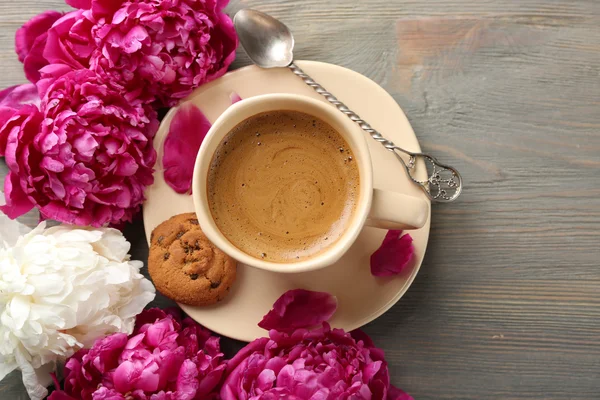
(391, 210)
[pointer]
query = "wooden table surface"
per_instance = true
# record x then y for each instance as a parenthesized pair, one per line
(507, 302)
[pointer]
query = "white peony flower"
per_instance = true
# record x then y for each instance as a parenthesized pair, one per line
(61, 289)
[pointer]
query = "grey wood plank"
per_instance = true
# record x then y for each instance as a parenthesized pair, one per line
(507, 303)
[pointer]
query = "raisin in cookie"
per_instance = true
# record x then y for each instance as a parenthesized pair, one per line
(185, 266)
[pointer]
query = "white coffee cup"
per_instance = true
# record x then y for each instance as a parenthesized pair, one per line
(375, 207)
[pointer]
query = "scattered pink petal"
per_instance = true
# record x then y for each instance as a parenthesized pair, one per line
(299, 308)
(235, 97)
(393, 255)
(186, 133)
(16, 96)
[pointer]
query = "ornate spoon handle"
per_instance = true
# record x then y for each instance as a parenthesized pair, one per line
(443, 184)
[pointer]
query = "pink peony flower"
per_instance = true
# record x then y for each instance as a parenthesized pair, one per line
(166, 358)
(159, 49)
(85, 158)
(322, 364)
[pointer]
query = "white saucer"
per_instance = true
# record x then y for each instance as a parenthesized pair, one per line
(361, 297)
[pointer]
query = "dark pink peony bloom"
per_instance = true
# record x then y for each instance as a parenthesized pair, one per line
(85, 158)
(166, 358)
(160, 49)
(299, 308)
(30, 40)
(393, 255)
(323, 364)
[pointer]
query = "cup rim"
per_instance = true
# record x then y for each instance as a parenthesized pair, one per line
(239, 112)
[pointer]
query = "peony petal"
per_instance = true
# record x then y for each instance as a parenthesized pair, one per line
(126, 166)
(31, 381)
(211, 381)
(60, 395)
(103, 7)
(31, 30)
(17, 202)
(170, 365)
(265, 379)
(104, 393)
(147, 317)
(234, 97)
(186, 133)
(397, 394)
(6, 113)
(85, 145)
(257, 345)
(149, 378)
(52, 164)
(159, 332)
(124, 376)
(229, 45)
(16, 96)
(187, 384)
(35, 60)
(83, 4)
(393, 255)
(49, 74)
(60, 47)
(132, 41)
(299, 308)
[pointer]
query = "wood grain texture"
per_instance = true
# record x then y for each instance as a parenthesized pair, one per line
(507, 303)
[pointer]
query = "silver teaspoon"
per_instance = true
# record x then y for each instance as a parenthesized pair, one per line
(269, 44)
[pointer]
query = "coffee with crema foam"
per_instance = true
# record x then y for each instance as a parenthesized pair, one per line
(283, 186)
